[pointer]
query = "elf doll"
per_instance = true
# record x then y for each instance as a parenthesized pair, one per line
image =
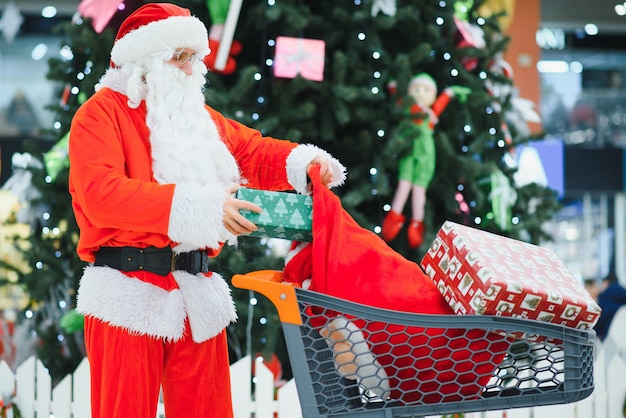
(218, 10)
(417, 169)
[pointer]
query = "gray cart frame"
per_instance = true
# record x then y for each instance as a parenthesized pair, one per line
(545, 364)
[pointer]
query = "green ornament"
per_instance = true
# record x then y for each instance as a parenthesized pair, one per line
(72, 321)
(503, 196)
(462, 8)
(57, 158)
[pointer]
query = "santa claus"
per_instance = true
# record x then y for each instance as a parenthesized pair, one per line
(153, 171)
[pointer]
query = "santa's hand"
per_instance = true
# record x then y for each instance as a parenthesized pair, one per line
(326, 172)
(235, 222)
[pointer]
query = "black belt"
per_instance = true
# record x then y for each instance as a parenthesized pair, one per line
(161, 261)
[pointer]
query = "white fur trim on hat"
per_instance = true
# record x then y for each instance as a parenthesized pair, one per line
(197, 217)
(300, 157)
(161, 35)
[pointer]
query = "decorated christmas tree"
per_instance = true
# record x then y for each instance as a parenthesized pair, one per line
(335, 75)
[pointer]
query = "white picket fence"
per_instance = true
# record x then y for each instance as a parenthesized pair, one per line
(70, 398)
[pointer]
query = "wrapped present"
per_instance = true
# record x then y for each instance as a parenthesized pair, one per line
(483, 273)
(285, 215)
(299, 56)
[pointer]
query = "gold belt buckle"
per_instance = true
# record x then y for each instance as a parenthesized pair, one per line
(173, 266)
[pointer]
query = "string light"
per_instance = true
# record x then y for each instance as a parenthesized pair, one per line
(66, 53)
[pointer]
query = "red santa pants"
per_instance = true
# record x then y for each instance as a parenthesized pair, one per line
(128, 370)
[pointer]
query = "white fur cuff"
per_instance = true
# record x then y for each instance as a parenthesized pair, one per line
(299, 159)
(196, 218)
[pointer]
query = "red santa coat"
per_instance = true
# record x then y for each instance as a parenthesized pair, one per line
(117, 202)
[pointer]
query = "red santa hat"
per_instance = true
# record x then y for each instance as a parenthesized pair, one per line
(158, 27)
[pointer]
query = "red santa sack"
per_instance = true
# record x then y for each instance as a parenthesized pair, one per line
(352, 263)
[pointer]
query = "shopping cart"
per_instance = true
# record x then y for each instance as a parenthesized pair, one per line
(402, 364)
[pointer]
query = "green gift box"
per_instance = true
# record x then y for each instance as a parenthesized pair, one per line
(285, 215)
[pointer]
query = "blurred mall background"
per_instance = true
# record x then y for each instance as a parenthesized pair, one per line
(578, 83)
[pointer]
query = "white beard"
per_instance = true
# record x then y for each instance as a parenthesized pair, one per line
(186, 146)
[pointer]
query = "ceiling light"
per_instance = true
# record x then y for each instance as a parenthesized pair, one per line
(49, 12)
(38, 52)
(591, 29)
(552, 66)
(576, 67)
(620, 9)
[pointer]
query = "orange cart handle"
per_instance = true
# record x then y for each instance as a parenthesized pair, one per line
(269, 283)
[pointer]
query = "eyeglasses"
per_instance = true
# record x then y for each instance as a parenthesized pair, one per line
(182, 57)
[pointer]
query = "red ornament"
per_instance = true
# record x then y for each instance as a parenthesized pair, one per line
(65, 96)
(469, 36)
